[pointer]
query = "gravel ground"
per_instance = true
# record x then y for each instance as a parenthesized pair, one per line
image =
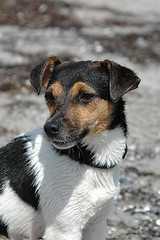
(124, 31)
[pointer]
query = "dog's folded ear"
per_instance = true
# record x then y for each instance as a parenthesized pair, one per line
(42, 73)
(121, 80)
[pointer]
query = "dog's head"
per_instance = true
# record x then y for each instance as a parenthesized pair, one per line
(82, 97)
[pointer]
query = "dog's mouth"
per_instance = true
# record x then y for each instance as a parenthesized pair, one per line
(59, 144)
(68, 142)
(63, 145)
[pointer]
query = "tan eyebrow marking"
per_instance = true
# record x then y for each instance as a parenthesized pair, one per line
(56, 89)
(80, 86)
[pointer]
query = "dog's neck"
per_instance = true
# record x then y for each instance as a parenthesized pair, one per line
(103, 151)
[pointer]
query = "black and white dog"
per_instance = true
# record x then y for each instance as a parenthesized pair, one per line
(59, 182)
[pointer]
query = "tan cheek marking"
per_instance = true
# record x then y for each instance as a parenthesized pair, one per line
(51, 108)
(96, 116)
(104, 110)
(80, 87)
(57, 92)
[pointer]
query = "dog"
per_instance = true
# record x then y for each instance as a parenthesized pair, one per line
(60, 182)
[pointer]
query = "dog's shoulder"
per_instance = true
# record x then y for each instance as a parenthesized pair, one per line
(16, 166)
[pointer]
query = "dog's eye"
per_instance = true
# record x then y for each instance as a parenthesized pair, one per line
(86, 97)
(49, 97)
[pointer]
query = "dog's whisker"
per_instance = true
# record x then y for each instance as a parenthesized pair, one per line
(79, 150)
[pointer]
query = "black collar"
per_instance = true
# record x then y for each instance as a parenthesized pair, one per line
(84, 156)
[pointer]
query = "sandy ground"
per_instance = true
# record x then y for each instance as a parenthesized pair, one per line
(127, 32)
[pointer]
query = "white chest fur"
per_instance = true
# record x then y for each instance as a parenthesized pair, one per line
(71, 194)
(74, 198)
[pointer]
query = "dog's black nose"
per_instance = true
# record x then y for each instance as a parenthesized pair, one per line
(52, 128)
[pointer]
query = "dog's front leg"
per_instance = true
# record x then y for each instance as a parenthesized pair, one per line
(95, 230)
(55, 233)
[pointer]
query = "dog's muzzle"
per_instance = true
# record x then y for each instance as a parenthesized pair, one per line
(52, 129)
(60, 138)
(63, 137)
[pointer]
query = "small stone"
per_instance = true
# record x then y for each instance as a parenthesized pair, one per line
(132, 147)
(131, 158)
(146, 208)
(129, 208)
(20, 15)
(157, 150)
(42, 8)
(98, 47)
(156, 211)
(138, 210)
(138, 156)
(158, 192)
(158, 222)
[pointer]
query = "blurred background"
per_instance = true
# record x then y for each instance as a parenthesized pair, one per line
(125, 31)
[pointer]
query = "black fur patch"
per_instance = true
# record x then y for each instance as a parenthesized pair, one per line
(118, 116)
(3, 229)
(125, 152)
(14, 168)
(122, 79)
(83, 156)
(96, 77)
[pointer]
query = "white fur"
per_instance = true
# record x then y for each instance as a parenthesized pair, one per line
(21, 219)
(109, 146)
(75, 199)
